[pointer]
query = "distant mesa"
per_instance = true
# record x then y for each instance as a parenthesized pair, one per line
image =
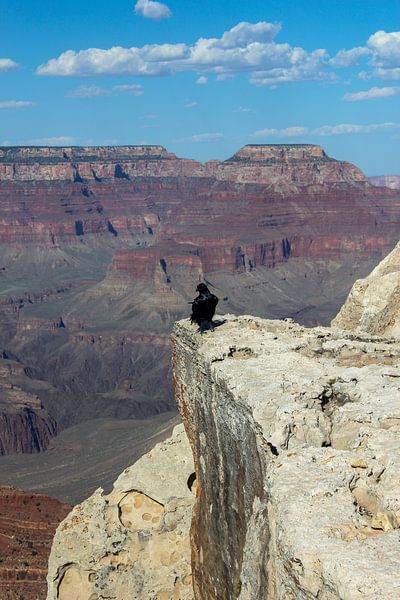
(280, 152)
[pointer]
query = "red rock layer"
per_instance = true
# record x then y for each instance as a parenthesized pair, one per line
(27, 526)
(267, 202)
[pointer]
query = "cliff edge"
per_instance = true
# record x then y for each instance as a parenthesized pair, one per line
(295, 488)
(295, 436)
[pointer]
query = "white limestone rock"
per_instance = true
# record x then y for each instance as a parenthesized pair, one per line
(373, 304)
(134, 542)
(295, 434)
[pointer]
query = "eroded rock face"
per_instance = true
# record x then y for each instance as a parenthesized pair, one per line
(25, 426)
(295, 439)
(133, 542)
(373, 304)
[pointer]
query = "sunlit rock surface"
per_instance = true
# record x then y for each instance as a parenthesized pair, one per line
(295, 435)
(373, 304)
(133, 542)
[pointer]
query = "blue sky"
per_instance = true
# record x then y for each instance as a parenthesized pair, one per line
(203, 78)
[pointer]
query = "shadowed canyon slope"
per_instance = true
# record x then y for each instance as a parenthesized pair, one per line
(102, 248)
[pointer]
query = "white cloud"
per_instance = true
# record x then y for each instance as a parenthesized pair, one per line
(93, 91)
(62, 140)
(247, 47)
(348, 128)
(89, 91)
(16, 104)
(132, 89)
(202, 80)
(393, 74)
(191, 104)
(245, 33)
(286, 132)
(243, 109)
(6, 64)
(385, 48)
(325, 130)
(302, 66)
(152, 10)
(374, 92)
(349, 58)
(206, 137)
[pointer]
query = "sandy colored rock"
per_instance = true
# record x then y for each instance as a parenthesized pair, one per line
(134, 542)
(373, 304)
(297, 455)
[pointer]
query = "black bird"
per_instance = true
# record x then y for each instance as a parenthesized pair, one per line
(203, 308)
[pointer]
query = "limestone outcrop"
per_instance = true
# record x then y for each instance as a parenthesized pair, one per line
(134, 541)
(295, 436)
(373, 304)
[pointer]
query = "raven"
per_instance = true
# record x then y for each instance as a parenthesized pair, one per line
(203, 308)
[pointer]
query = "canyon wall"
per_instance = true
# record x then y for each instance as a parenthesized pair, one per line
(27, 526)
(101, 250)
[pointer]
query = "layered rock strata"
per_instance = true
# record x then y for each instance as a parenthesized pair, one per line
(27, 526)
(373, 304)
(133, 542)
(294, 433)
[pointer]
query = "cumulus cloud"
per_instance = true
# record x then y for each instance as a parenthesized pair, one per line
(374, 92)
(202, 80)
(152, 10)
(93, 91)
(393, 74)
(16, 104)
(246, 47)
(385, 48)
(245, 33)
(325, 130)
(6, 64)
(191, 104)
(349, 58)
